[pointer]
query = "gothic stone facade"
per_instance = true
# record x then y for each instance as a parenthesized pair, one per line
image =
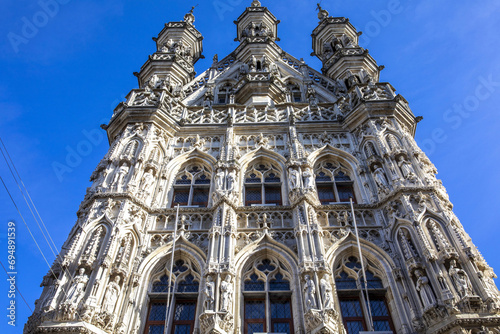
(261, 153)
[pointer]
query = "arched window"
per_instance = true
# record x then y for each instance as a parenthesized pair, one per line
(262, 185)
(223, 94)
(184, 287)
(267, 298)
(295, 92)
(353, 301)
(333, 183)
(192, 186)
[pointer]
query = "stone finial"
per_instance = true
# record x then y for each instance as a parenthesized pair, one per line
(256, 3)
(323, 13)
(189, 17)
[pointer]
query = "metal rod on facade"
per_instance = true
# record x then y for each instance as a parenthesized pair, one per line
(171, 268)
(370, 321)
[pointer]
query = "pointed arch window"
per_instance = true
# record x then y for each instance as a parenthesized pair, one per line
(263, 185)
(353, 303)
(267, 298)
(184, 287)
(333, 184)
(192, 186)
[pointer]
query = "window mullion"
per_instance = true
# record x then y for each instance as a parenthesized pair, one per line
(335, 191)
(263, 193)
(268, 310)
(191, 193)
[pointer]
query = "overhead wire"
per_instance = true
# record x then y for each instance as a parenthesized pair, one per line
(27, 227)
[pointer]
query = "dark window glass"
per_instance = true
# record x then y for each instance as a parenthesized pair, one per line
(157, 312)
(253, 179)
(185, 311)
(183, 180)
(188, 284)
(179, 266)
(162, 285)
(272, 178)
(342, 177)
(266, 266)
(200, 196)
(156, 329)
(381, 325)
(280, 310)
(279, 284)
(203, 179)
(181, 197)
(351, 308)
(344, 282)
(326, 194)
(255, 309)
(222, 98)
(182, 329)
(281, 327)
(322, 177)
(373, 282)
(273, 195)
(255, 328)
(254, 284)
(345, 192)
(354, 327)
(353, 263)
(253, 195)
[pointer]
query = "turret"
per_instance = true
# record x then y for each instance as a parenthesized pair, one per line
(179, 46)
(335, 43)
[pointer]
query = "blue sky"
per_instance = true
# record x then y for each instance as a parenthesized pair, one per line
(65, 77)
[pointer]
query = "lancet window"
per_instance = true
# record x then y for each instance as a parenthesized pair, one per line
(333, 183)
(192, 186)
(263, 185)
(353, 301)
(223, 94)
(295, 92)
(267, 297)
(184, 287)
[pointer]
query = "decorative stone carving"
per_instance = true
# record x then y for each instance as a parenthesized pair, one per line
(111, 295)
(308, 179)
(309, 293)
(119, 179)
(426, 294)
(209, 293)
(326, 292)
(226, 288)
(460, 280)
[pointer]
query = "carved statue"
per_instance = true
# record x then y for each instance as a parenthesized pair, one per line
(294, 178)
(308, 179)
(147, 181)
(406, 168)
(226, 288)
(309, 293)
(219, 179)
(231, 181)
(77, 289)
(425, 290)
(209, 292)
(111, 296)
(380, 177)
(326, 292)
(460, 279)
(120, 176)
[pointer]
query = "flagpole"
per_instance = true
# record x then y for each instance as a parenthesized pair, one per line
(170, 273)
(370, 321)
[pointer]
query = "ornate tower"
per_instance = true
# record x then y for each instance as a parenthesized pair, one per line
(222, 204)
